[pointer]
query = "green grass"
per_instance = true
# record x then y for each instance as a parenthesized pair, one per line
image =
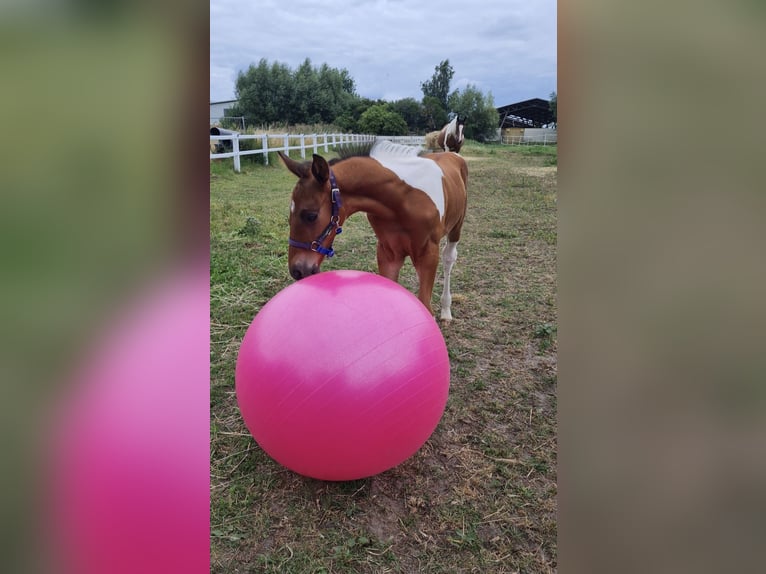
(480, 495)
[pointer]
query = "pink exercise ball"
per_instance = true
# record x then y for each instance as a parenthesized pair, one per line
(342, 375)
(127, 469)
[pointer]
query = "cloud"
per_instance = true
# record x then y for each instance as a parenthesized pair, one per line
(507, 47)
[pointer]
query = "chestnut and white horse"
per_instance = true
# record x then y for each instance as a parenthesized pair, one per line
(451, 137)
(411, 202)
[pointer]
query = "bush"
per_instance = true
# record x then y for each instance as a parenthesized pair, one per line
(381, 120)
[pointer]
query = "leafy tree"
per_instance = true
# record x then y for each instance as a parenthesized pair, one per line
(305, 105)
(438, 86)
(434, 113)
(412, 112)
(349, 119)
(268, 94)
(263, 92)
(381, 120)
(479, 110)
(346, 122)
(337, 92)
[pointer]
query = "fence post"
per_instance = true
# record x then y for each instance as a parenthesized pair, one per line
(287, 144)
(265, 147)
(314, 139)
(235, 145)
(325, 143)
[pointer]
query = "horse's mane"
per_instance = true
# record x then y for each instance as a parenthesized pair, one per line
(389, 148)
(359, 149)
(375, 148)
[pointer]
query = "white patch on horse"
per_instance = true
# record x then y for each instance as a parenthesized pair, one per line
(452, 127)
(421, 173)
(292, 207)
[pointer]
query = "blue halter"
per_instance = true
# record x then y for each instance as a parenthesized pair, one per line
(334, 224)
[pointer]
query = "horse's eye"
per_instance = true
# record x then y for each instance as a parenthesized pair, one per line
(309, 216)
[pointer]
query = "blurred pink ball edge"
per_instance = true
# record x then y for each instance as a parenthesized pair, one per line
(342, 375)
(128, 457)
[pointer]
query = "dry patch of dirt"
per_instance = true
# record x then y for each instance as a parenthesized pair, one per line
(537, 171)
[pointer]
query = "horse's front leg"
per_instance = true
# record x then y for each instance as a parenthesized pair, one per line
(389, 263)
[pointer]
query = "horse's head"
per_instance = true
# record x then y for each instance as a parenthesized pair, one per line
(453, 134)
(460, 125)
(314, 215)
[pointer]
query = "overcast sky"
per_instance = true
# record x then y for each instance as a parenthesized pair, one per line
(506, 47)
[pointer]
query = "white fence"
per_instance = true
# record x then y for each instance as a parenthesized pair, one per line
(292, 142)
(537, 136)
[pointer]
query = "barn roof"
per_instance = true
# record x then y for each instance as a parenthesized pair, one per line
(533, 113)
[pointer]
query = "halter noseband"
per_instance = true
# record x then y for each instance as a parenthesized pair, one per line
(316, 245)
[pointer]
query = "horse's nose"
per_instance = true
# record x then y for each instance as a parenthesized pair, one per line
(298, 272)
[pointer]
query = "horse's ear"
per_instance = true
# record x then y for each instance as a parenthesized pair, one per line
(319, 169)
(296, 167)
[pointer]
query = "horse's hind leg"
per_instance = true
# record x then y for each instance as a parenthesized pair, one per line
(449, 256)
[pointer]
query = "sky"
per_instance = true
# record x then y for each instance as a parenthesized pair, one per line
(389, 47)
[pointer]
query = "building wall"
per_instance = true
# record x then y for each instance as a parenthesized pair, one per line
(217, 110)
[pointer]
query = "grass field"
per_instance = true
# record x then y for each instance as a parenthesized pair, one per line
(480, 496)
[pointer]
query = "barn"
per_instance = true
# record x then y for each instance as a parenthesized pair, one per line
(218, 110)
(528, 115)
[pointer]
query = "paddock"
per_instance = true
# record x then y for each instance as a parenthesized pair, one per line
(481, 493)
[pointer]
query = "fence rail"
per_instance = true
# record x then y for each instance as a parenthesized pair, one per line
(294, 142)
(546, 139)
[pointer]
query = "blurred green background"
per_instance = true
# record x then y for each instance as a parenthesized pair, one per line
(104, 194)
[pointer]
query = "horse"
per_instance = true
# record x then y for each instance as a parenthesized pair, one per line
(411, 202)
(450, 137)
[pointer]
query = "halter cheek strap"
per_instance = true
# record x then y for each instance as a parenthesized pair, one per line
(334, 224)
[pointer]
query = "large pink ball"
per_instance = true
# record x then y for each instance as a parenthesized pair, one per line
(342, 375)
(127, 480)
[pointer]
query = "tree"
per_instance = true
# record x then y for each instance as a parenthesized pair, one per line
(268, 94)
(438, 86)
(349, 119)
(412, 112)
(263, 92)
(305, 106)
(479, 110)
(381, 120)
(434, 114)
(336, 92)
